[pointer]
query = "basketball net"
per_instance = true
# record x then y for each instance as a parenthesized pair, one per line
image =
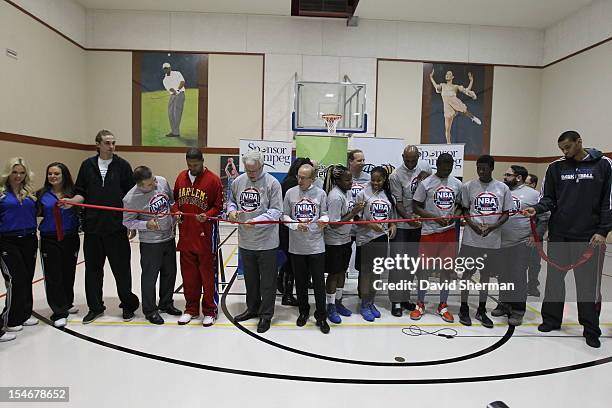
(331, 121)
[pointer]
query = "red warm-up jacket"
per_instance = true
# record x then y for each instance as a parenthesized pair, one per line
(205, 195)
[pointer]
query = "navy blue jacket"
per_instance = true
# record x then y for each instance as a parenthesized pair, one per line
(578, 195)
(17, 218)
(70, 220)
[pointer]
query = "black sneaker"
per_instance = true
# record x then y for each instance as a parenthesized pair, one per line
(408, 306)
(323, 326)
(91, 316)
(396, 309)
(154, 318)
(546, 327)
(501, 310)
(173, 311)
(482, 317)
(593, 342)
(128, 315)
(464, 317)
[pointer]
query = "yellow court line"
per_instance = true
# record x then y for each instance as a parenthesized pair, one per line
(142, 323)
(533, 310)
(230, 256)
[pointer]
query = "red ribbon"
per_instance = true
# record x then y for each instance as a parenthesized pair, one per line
(586, 255)
(59, 225)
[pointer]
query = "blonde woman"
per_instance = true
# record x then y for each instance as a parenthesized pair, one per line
(18, 243)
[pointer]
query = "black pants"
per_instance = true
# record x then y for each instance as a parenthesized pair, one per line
(374, 249)
(534, 266)
(337, 259)
(260, 281)
(18, 263)
(405, 242)
(491, 268)
(513, 270)
(59, 259)
(157, 259)
(115, 247)
(588, 280)
(305, 266)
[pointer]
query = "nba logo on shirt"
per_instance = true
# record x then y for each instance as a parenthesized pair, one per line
(379, 210)
(250, 199)
(305, 210)
(356, 189)
(444, 198)
(159, 204)
(516, 205)
(486, 203)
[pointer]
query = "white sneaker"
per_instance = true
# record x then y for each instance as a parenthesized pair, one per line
(208, 321)
(60, 322)
(73, 310)
(13, 328)
(184, 319)
(476, 120)
(7, 337)
(32, 321)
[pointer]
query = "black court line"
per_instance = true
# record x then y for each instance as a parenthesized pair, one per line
(479, 353)
(288, 377)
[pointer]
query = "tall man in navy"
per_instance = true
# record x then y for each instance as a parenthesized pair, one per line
(105, 179)
(576, 189)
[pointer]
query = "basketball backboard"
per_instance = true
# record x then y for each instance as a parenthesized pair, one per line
(314, 99)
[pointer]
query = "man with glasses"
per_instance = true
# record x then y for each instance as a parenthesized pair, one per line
(257, 196)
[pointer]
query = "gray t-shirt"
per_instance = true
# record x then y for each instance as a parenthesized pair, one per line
(404, 183)
(359, 183)
(485, 198)
(441, 197)
(377, 207)
(518, 228)
(158, 200)
(338, 207)
(305, 206)
(259, 200)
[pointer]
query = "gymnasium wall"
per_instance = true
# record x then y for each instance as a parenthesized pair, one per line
(44, 90)
(576, 94)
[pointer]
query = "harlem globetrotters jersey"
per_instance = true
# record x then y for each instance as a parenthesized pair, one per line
(260, 200)
(306, 206)
(404, 183)
(518, 228)
(377, 207)
(481, 199)
(338, 207)
(441, 197)
(359, 183)
(203, 195)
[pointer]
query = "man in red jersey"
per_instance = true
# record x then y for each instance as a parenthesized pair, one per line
(198, 190)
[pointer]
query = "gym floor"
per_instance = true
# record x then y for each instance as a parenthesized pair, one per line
(121, 364)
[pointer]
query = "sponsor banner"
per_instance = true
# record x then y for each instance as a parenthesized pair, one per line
(388, 152)
(276, 155)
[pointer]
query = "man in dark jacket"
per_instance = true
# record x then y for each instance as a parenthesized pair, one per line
(576, 189)
(105, 179)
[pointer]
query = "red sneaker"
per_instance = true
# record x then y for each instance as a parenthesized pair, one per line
(444, 313)
(418, 311)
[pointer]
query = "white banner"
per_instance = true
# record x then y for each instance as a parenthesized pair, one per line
(379, 151)
(276, 155)
(430, 153)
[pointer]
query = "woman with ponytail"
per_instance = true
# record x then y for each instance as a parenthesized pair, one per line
(338, 181)
(378, 205)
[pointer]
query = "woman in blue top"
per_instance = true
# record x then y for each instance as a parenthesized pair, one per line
(18, 244)
(59, 258)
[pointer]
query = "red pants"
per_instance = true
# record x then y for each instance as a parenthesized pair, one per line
(199, 274)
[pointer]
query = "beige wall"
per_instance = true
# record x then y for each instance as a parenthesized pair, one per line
(398, 111)
(577, 95)
(109, 90)
(44, 92)
(235, 87)
(515, 115)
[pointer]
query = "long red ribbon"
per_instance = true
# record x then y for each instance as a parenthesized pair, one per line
(586, 255)
(589, 252)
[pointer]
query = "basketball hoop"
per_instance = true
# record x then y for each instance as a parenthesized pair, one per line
(331, 120)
